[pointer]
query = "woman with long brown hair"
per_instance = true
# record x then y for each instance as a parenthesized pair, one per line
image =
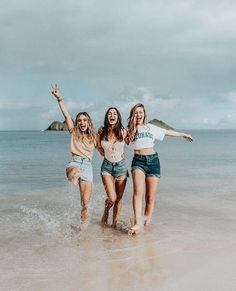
(114, 172)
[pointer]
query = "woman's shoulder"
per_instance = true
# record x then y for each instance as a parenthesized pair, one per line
(152, 126)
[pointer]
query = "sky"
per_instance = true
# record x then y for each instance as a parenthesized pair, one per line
(176, 57)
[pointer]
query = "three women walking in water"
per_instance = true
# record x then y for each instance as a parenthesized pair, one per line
(110, 142)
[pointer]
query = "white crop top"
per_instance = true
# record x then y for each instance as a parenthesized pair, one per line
(147, 135)
(113, 151)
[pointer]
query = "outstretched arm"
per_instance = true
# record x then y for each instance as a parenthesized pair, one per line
(68, 119)
(186, 136)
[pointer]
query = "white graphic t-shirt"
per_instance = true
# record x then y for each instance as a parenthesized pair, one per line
(146, 136)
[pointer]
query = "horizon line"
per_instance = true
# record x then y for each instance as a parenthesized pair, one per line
(1, 130)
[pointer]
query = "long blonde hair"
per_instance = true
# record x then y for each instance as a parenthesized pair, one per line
(90, 133)
(132, 128)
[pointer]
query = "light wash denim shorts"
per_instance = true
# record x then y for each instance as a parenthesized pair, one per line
(84, 166)
(114, 169)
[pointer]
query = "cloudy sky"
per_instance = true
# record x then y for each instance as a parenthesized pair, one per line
(177, 57)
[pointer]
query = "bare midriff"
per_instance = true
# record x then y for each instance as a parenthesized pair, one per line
(146, 152)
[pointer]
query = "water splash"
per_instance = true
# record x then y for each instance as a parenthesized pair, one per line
(50, 223)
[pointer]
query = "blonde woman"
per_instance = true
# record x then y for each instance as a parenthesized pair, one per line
(145, 164)
(82, 143)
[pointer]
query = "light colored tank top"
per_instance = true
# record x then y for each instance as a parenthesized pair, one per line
(81, 148)
(113, 151)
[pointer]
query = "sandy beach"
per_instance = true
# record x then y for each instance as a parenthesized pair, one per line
(181, 251)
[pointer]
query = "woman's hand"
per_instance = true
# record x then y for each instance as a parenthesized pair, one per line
(55, 92)
(69, 122)
(188, 137)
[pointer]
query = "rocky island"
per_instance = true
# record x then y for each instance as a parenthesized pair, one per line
(57, 125)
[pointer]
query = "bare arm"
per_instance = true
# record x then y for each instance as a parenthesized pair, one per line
(124, 134)
(68, 119)
(99, 147)
(186, 136)
(127, 137)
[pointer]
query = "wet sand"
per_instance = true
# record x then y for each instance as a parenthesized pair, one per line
(181, 250)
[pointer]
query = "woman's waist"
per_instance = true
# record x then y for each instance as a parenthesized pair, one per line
(146, 159)
(83, 153)
(113, 162)
(114, 157)
(80, 158)
(145, 151)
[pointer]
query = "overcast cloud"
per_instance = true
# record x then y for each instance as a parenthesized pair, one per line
(177, 57)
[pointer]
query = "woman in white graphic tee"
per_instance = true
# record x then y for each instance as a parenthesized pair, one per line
(145, 164)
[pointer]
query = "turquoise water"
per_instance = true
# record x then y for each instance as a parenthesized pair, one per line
(195, 203)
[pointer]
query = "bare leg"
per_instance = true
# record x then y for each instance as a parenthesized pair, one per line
(151, 187)
(109, 184)
(138, 190)
(85, 193)
(120, 187)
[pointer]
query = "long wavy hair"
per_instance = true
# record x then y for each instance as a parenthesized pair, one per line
(132, 128)
(117, 128)
(90, 132)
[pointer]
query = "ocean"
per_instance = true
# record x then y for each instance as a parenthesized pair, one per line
(190, 244)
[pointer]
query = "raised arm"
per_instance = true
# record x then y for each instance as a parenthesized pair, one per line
(68, 119)
(186, 136)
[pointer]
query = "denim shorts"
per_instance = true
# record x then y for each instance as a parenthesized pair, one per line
(114, 169)
(149, 164)
(84, 166)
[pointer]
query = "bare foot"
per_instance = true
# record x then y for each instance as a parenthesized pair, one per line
(137, 228)
(83, 225)
(105, 216)
(146, 220)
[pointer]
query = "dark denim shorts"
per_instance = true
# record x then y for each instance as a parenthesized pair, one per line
(114, 169)
(149, 164)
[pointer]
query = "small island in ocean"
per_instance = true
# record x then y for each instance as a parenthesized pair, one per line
(61, 126)
(57, 125)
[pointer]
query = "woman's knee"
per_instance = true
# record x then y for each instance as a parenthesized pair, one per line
(85, 206)
(137, 193)
(138, 189)
(150, 200)
(118, 199)
(109, 202)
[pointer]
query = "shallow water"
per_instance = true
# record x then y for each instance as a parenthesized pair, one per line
(190, 244)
